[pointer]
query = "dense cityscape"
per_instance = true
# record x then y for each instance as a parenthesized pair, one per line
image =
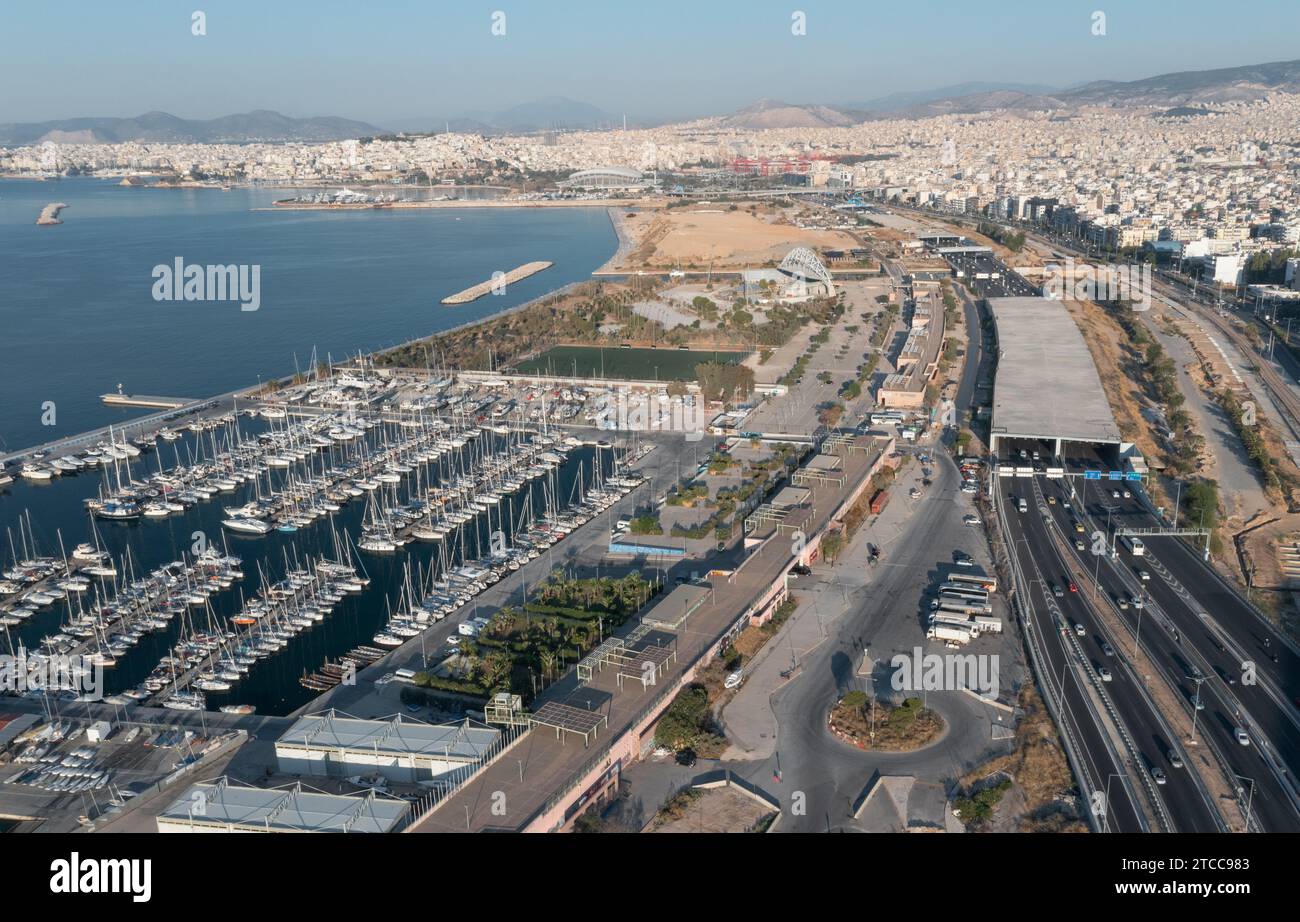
(923, 464)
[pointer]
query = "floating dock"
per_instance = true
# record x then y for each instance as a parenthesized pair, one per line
(145, 400)
(482, 288)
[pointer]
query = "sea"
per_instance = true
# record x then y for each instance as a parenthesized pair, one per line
(78, 319)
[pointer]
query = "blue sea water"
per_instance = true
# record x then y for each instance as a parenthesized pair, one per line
(78, 316)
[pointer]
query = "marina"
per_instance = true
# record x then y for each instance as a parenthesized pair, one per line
(253, 558)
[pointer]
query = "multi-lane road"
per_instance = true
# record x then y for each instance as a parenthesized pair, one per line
(1119, 733)
(1196, 626)
(1203, 639)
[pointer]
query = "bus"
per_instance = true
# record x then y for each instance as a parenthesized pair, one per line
(889, 416)
(963, 590)
(964, 606)
(987, 583)
(1135, 546)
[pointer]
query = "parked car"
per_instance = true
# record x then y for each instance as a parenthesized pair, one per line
(687, 758)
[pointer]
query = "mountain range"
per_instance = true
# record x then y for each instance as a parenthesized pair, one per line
(1196, 87)
(260, 125)
(1176, 92)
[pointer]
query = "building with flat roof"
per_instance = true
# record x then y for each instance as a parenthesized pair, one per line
(221, 806)
(1047, 386)
(401, 750)
(917, 362)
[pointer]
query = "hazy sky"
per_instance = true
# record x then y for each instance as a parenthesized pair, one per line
(391, 62)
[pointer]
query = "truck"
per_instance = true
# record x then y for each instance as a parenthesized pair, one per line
(879, 501)
(950, 633)
(988, 624)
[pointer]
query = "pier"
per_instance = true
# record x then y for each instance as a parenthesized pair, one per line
(50, 214)
(519, 273)
(145, 400)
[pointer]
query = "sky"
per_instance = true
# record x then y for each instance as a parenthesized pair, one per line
(394, 63)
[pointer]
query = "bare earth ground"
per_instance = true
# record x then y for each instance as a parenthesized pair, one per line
(704, 235)
(710, 810)
(1106, 339)
(1040, 776)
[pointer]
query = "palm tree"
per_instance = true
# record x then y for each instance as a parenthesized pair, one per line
(547, 660)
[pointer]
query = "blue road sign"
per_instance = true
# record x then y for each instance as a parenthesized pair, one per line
(1133, 475)
(1115, 475)
(1092, 475)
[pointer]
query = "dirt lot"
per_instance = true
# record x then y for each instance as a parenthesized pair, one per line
(704, 235)
(1115, 364)
(1038, 800)
(712, 810)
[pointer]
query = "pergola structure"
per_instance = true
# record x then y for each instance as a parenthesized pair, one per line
(840, 441)
(647, 664)
(565, 718)
(766, 514)
(809, 476)
(597, 659)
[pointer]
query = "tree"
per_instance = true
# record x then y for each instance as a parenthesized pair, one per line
(646, 525)
(1201, 500)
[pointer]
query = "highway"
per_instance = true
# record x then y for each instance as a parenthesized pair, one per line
(1193, 624)
(1198, 624)
(1138, 740)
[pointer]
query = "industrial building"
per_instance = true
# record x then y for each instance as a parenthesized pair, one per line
(1047, 387)
(220, 806)
(917, 362)
(403, 751)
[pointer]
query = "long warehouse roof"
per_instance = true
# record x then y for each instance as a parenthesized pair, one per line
(1047, 385)
(459, 741)
(220, 804)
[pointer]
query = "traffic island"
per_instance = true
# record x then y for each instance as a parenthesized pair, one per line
(877, 727)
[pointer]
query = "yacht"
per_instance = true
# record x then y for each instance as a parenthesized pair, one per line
(247, 526)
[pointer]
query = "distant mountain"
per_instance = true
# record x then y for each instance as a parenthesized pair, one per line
(1226, 84)
(261, 125)
(770, 113)
(906, 100)
(1165, 91)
